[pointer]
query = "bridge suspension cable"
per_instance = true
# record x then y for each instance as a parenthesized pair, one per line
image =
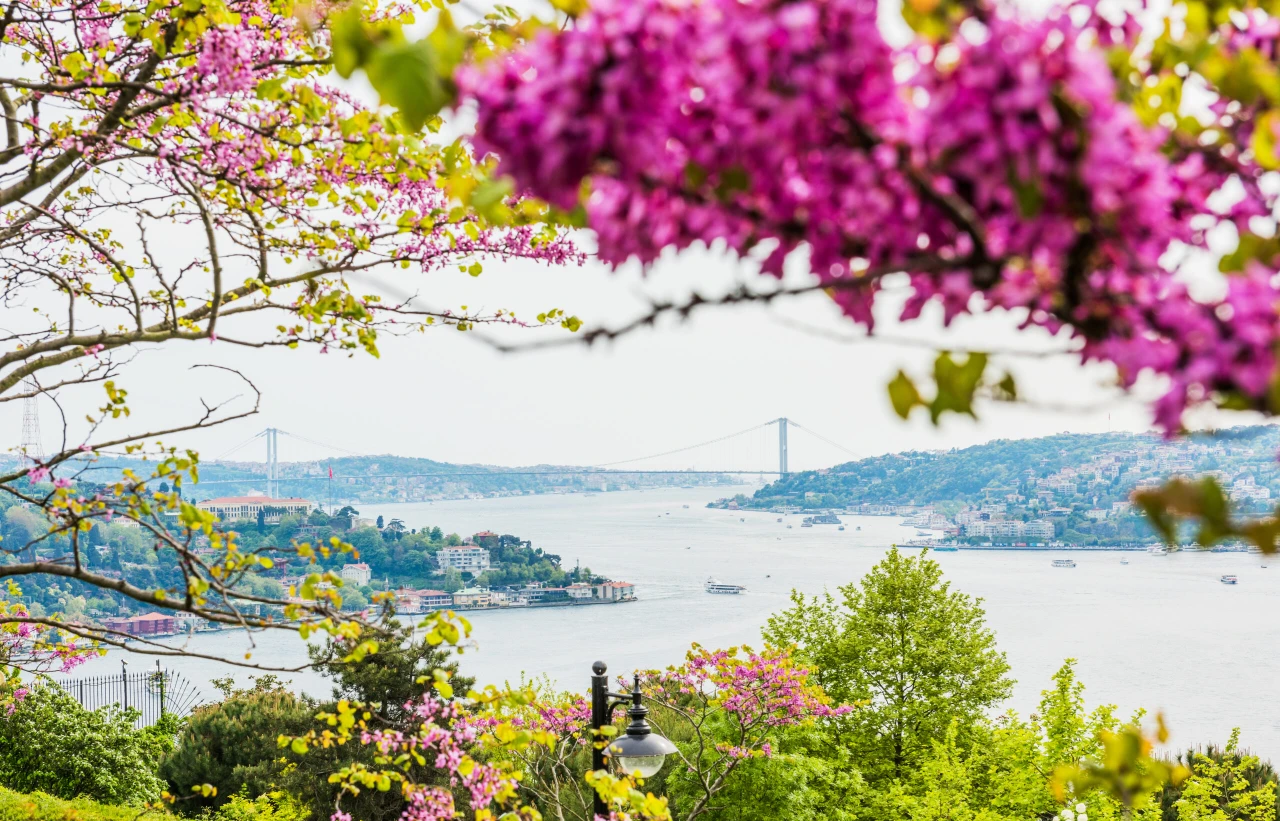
(830, 442)
(682, 450)
(320, 444)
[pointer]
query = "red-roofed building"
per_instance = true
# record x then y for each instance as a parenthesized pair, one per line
(148, 624)
(245, 508)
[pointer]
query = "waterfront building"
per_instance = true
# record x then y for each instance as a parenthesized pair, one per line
(358, 574)
(472, 597)
(470, 558)
(148, 624)
(246, 508)
(579, 591)
(615, 591)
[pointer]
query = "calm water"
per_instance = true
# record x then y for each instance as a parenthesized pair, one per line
(1160, 633)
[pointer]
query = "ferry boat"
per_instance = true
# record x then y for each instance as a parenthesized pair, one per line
(1158, 550)
(1064, 563)
(713, 586)
(1229, 580)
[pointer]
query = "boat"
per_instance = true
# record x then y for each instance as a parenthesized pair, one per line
(1123, 560)
(859, 527)
(713, 586)
(1229, 579)
(923, 533)
(841, 527)
(686, 507)
(806, 524)
(1158, 550)
(779, 521)
(1064, 563)
(788, 527)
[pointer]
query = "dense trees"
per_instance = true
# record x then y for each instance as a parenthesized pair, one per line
(915, 654)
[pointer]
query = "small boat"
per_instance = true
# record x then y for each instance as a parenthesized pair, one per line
(1158, 550)
(768, 575)
(859, 527)
(841, 527)
(1123, 560)
(788, 527)
(689, 548)
(1064, 563)
(806, 524)
(1229, 580)
(713, 586)
(779, 521)
(923, 533)
(686, 507)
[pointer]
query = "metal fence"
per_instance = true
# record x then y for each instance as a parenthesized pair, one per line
(153, 693)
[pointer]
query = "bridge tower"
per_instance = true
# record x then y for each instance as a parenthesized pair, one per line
(32, 448)
(273, 463)
(782, 445)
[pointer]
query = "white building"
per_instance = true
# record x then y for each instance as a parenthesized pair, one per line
(358, 574)
(616, 591)
(246, 508)
(469, 558)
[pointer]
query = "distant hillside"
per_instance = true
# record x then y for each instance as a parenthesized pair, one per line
(1092, 470)
(373, 479)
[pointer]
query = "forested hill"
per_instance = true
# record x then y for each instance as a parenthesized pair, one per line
(1094, 469)
(372, 479)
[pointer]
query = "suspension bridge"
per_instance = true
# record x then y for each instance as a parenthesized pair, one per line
(769, 441)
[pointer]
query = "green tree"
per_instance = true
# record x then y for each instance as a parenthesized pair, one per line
(917, 654)
(232, 744)
(399, 673)
(51, 744)
(1227, 785)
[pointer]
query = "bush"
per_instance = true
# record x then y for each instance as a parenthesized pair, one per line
(53, 745)
(38, 806)
(276, 806)
(232, 744)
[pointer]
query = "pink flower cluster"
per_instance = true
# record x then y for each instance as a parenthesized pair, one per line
(759, 691)
(999, 170)
(447, 731)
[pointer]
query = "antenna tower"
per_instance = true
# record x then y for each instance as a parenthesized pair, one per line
(32, 449)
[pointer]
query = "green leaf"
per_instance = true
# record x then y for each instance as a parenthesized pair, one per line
(903, 395)
(957, 384)
(416, 78)
(1263, 141)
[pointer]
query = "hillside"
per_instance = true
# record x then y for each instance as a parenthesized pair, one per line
(1079, 483)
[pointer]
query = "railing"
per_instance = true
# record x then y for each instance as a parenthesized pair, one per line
(153, 693)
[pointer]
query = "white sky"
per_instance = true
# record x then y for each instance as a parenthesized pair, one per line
(447, 396)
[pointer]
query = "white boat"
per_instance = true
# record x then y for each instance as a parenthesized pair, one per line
(1158, 550)
(1123, 560)
(1064, 563)
(1229, 580)
(713, 586)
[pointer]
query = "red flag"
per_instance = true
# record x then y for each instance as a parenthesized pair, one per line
(330, 471)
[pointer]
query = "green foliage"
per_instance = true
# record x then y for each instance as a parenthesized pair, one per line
(1204, 504)
(39, 806)
(275, 806)
(916, 654)
(1224, 784)
(51, 744)
(956, 385)
(232, 744)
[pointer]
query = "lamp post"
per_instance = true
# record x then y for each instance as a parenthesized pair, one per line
(639, 749)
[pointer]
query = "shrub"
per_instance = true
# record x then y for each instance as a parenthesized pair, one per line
(53, 745)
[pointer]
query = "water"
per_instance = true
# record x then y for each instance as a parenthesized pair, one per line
(1160, 633)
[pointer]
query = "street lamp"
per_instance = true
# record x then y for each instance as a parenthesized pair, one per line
(639, 749)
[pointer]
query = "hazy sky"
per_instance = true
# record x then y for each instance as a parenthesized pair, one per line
(446, 395)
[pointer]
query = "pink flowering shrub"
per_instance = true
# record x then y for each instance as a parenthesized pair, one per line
(1003, 167)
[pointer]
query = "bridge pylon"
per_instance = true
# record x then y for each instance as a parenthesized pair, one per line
(782, 445)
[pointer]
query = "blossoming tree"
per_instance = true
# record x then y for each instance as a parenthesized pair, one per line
(1067, 166)
(188, 171)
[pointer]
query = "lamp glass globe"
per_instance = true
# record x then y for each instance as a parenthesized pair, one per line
(646, 765)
